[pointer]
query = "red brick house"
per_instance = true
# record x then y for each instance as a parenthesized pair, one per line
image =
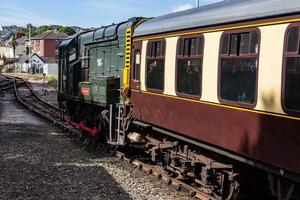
(45, 44)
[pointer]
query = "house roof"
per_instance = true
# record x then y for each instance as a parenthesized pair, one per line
(25, 58)
(50, 35)
(21, 40)
(227, 11)
(4, 32)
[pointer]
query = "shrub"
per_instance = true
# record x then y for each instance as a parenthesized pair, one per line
(52, 81)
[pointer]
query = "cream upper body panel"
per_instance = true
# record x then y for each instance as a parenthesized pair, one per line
(270, 68)
(170, 66)
(210, 67)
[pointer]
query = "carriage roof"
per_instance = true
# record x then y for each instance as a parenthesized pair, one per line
(225, 12)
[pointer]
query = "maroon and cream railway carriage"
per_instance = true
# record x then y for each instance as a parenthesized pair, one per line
(223, 78)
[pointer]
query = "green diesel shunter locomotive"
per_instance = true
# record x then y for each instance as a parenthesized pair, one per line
(94, 72)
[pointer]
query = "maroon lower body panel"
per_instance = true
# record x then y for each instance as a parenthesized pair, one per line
(271, 139)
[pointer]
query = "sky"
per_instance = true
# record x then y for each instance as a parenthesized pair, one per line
(86, 13)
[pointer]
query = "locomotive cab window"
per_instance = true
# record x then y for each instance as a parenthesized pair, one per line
(155, 65)
(238, 67)
(291, 90)
(189, 65)
(72, 54)
(85, 65)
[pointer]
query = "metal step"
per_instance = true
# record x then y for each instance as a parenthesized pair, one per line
(141, 124)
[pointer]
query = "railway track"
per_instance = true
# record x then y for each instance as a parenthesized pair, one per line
(26, 96)
(6, 84)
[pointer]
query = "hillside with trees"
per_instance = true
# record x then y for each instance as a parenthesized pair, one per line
(36, 31)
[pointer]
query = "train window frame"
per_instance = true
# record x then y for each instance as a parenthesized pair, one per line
(238, 54)
(287, 54)
(72, 54)
(136, 71)
(85, 63)
(180, 55)
(85, 58)
(162, 57)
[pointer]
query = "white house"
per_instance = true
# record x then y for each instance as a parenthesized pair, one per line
(2, 49)
(8, 49)
(30, 63)
(34, 64)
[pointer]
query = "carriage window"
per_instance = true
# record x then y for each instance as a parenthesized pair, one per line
(137, 65)
(293, 39)
(155, 65)
(238, 67)
(292, 70)
(189, 65)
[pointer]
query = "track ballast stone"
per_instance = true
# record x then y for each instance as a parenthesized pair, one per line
(38, 161)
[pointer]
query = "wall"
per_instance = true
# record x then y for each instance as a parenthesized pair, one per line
(48, 48)
(9, 52)
(51, 69)
(2, 51)
(20, 50)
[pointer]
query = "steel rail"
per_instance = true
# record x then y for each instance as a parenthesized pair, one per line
(8, 83)
(13, 78)
(55, 121)
(35, 104)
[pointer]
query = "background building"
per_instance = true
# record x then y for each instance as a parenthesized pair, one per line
(46, 44)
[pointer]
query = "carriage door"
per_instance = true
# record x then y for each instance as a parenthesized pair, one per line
(135, 78)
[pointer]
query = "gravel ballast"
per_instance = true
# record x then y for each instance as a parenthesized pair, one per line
(38, 161)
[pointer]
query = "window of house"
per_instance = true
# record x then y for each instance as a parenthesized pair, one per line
(292, 70)
(238, 67)
(155, 65)
(37, 43)
(189, 65)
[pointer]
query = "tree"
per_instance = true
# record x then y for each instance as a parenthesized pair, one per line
(13, 42)
(43, 29)
(35, 31)
(29, 26)
(67, 30)
(26, 32)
